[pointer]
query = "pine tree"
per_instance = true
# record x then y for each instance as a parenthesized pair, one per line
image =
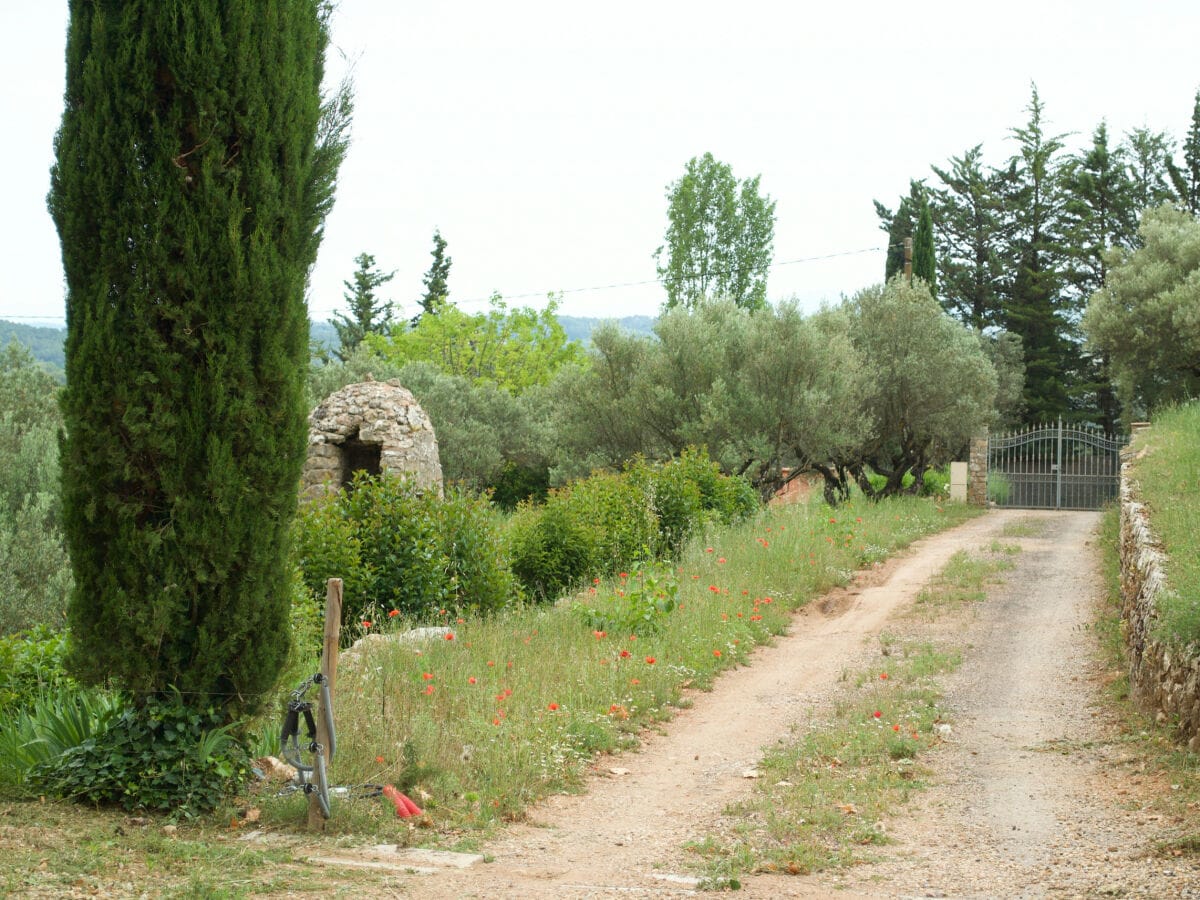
(1187, 180)
(967, 212)
(1098, 215)
(368, 314)
(1033, 255)
(437, 292)
(924, 263)
(1148, 153)
(195, 165)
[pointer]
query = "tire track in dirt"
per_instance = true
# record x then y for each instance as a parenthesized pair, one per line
(626, 833)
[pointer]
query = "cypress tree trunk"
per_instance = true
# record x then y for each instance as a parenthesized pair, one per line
(195, 165)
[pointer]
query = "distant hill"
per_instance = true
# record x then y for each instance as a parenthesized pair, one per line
(45, 343)
(580, 328)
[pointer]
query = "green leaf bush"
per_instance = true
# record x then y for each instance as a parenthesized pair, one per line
(609, 522)
(165, 757)
(397, 547)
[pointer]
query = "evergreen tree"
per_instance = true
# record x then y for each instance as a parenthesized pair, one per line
(436, 290)
(924, 263)
(899, 225)
(1098, 215)
(1148, 153)
(1187, 180)
(968, 213)
(368, 313)
(195, 165)
(719, 237)
(1033, 306)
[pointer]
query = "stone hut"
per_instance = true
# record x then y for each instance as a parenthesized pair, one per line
(373, 426)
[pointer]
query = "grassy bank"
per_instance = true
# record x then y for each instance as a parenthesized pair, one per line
(1169, 478)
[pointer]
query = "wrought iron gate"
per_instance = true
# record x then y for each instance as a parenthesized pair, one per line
(1054, 466)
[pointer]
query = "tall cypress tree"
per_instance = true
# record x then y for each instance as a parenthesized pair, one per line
(924, 264)
(899, 225)
(195, 165)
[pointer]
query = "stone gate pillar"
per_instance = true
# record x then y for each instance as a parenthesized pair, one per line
(977, 465)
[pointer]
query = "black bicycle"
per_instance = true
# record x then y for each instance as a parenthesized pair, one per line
(289, 740)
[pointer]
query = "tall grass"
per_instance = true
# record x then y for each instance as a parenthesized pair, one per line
(1169, 476)
(492, 714)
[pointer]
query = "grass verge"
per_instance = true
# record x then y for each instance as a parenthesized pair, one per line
(820, 802)
(1169, 479)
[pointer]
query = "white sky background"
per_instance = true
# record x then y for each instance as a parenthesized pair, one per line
(540, 137)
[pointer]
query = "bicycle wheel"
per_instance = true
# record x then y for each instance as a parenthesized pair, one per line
(326, 712)
(321, 782)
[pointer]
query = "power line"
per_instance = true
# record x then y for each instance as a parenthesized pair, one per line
(579, 290)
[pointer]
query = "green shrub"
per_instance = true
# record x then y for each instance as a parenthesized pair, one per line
(517, 483)
(936, 482)
(31, 665)
(58, 720)
(164, 757)
(325, 545)
(620, 511)
(729, 497)
(639, 606)
(551, 549)
(398, 547)
(676, 500)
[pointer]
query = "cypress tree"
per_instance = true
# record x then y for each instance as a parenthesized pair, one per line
(924, 265)
(195, 164)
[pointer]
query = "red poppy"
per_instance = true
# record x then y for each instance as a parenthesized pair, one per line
(720, 560)
(895, 728)
(650, 660)
(428, 676)
(883, 675)
(393, 613)
(634, 681)
(429, 689)
(877, 714)
(491, 662)
(716, 653)
(625, 654)
(366, 624)
(471, 680)
(379, 759)
(708, 550)
(553, 707)
(599, 634)
(449, 635)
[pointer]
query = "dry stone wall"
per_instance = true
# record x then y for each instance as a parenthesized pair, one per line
(1163, 678)
(377, 426)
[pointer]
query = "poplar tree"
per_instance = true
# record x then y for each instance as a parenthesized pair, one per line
(1187, 179)
(195, 165)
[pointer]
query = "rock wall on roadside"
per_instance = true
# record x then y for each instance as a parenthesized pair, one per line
(1163, 678)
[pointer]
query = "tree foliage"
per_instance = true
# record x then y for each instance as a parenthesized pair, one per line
(719, 238)
(930, 383)
(35, 575)
(924, 261)
(369, 314)
(196, 162)
(512, 348)
(437, 289)
(1146, 317)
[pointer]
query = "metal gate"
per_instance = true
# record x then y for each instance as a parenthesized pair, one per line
(1054, 466)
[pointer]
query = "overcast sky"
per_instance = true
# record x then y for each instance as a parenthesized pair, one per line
(540, 137)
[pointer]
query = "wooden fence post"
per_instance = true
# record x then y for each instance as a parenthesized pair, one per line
(329, 661)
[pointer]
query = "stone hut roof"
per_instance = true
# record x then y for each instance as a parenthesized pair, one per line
(376, 426)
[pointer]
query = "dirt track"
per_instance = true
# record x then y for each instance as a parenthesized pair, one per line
(1031, 799)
